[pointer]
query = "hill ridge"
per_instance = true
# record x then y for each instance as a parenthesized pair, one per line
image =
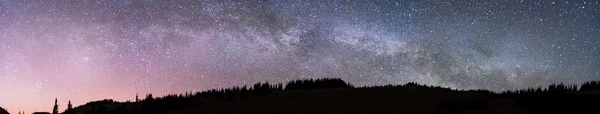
(325, 90)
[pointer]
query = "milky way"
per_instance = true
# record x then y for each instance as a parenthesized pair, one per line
(90, 50)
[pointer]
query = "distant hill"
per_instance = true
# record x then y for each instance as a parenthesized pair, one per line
(317, 96)
(3, 111)
(40, 113)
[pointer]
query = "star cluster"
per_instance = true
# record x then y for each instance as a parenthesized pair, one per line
(90, 50)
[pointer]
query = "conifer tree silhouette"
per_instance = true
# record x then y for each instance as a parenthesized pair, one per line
(149, 97)
(55, 110)
(69, 106)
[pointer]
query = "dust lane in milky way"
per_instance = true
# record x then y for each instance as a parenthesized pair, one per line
(91, 50)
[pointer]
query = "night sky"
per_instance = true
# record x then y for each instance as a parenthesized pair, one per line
(89, 50)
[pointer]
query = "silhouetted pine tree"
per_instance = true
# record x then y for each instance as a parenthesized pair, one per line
(69, 106)
(149, 97)
(55, 110)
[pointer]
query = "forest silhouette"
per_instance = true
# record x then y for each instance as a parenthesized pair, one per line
(333, 95)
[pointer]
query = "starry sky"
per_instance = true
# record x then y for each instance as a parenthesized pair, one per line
(86, 50)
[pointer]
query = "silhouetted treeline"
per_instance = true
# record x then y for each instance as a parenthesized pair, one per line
(151, 105)
(161, 105)
(409, 84)
(590, 86)
(324, 83)
(557, 98)
(558, 88)
(552, 89)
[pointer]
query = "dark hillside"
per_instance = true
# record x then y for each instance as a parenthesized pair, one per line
(336, 96)
(3, 111)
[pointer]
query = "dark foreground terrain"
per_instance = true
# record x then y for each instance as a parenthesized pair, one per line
(3, 111)
(327, 96)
